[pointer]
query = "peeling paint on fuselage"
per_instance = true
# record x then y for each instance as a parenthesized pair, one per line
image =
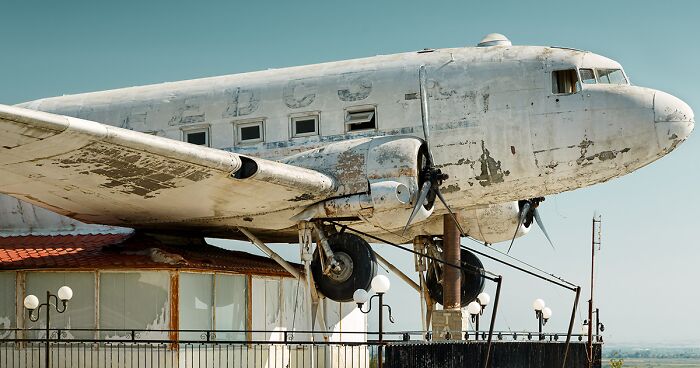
(494, 118)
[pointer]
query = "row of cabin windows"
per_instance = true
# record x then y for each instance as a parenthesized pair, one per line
(301, 126)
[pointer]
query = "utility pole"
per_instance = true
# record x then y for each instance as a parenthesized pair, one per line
(595, 242)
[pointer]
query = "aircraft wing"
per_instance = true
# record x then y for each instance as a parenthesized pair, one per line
(97, 173)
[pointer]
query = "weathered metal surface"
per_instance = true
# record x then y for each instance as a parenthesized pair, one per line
(101, 174)
(500, 133)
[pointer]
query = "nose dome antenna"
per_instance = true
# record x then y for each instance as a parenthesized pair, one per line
(494, 39)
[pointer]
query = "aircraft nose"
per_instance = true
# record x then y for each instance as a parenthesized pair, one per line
(673, 118)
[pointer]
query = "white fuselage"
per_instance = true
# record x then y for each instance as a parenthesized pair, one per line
(497, 127)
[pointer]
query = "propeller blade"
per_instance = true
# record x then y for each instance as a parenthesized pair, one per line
(425, 189)
(523, 214)
(538, 219)
(424, 111)
(454, 218)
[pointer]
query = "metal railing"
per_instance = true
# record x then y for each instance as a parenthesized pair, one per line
(89, 348)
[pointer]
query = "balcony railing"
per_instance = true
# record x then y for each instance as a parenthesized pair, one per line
(88, 348)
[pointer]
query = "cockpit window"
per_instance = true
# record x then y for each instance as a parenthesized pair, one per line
(565, 81)
(587, 76)
(611, 76)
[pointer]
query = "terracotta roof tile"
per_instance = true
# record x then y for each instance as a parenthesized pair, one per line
(110, 251)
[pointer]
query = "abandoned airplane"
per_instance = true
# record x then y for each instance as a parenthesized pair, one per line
(374, 144)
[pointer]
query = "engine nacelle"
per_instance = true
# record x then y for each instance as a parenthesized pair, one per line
(379, 179)
(494, 223)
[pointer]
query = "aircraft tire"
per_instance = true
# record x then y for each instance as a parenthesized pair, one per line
(472, 283)
(353, 251)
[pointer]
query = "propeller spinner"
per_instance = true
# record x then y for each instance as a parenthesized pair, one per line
(528, 213)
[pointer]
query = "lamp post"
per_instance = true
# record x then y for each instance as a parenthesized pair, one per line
(476, 309)
(542, 313)
(31, 302)
(380, 285)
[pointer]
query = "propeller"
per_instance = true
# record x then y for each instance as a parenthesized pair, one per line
(430, 176)
(528, 213)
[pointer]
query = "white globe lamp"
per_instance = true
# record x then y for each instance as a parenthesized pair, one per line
(380, 284)
(360, 296)
(31, 302)
(483, 299)
(65, 293)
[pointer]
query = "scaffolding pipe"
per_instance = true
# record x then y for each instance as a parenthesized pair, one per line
(270, 253)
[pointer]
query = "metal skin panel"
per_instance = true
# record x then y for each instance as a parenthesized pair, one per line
(497, 130)
(101, 174)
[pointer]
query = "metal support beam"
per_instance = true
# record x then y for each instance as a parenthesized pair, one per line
(270, 253)
(397, 272)
(452, 276)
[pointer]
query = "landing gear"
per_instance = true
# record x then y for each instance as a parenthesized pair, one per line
(472, 281)
(351, 266)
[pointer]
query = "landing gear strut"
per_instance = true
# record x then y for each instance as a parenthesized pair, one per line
(342, 263)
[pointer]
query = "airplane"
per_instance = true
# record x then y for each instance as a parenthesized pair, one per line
(382, 144)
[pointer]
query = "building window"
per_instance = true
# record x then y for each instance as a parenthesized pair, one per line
(199, 137)
(564, 81)
(81, 310)
(361, 119)
(134, 300)
(252, 132)
(212, 300)
(303, 126)
(8, 319)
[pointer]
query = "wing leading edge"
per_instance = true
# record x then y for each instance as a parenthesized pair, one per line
(97, 173)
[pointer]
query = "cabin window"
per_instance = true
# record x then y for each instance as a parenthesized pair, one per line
(364, 119)
(587, 76)
(564, 81)
(611, 76)
(199, 137)
(303, 126)
(252, 132)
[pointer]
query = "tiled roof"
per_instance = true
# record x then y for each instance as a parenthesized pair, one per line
(120, 251)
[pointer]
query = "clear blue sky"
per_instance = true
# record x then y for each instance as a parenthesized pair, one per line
(648, 268)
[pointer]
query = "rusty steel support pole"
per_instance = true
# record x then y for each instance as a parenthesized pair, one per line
(571, 326)
(452, 277)
(487, 361)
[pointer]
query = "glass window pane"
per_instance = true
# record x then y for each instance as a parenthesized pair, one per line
(8, 310)
(250, 132)
(81, 308)
(305, 126)
(195, 303)
(266, 313)
(199, 138)
(617, 77)
(587, 76)
(296, 313)
(603, 76)
(134, 300)
(230, 311)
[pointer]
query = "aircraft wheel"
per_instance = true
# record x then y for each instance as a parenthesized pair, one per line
(357, 267)
(472, 283)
